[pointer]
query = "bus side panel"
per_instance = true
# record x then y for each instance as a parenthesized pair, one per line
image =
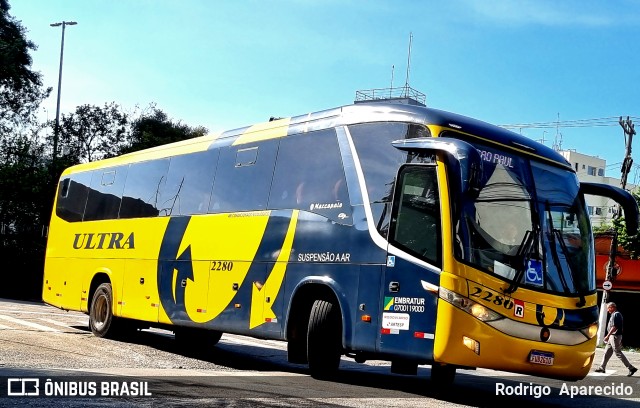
(53, 277)
(52, 282)
(366, 330)
(204, 263)
(140, 290)
(343, 259)
(255, 306)
(232, 297)
(62, 275)
(409, 311)
(314, 280)
(68, 281)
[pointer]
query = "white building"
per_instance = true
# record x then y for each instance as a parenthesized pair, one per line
(592, 169)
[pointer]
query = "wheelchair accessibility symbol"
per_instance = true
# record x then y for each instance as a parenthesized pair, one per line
(533, 274)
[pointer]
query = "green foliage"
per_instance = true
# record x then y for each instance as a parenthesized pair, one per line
(28, 173)
(92, 133)
(154, 128)
(25, 175)
(602, 228)
(21, 90)
(631, 243)
(15, 61)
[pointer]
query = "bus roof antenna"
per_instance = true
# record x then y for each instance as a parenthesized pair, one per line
(393, 67)
(403, 94)
(406, 82)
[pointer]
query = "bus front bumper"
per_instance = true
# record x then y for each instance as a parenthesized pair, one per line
(463, 340)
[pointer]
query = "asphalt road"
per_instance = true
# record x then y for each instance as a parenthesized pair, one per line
(40, 343)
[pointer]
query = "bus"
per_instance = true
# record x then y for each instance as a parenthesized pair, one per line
(381, 231)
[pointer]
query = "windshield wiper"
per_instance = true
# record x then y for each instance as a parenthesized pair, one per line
(565, 250)
(529, 244)
(556, 236)
(524, 249)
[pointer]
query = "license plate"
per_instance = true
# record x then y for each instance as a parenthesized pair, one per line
(541, 357)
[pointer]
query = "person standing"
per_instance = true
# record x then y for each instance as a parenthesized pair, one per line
(613, 340)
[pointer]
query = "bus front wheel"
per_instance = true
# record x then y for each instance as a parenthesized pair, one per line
(101, 319)
(324, 339)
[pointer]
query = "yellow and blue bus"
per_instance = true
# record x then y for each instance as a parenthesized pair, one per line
(374, 231)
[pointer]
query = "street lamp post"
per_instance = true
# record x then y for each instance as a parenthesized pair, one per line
(57, 126)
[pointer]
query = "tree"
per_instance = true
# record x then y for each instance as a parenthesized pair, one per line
(93, 133)
(28, 177)
(21, 90)
(15, 60)
(154, 128)
(25, 180)
(630, 243)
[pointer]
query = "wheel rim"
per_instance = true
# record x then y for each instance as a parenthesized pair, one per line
(100, 312)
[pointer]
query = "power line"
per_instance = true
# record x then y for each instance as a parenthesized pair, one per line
(577, 123)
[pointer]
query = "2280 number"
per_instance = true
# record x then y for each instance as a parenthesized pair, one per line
(221, 266)
(489, 296)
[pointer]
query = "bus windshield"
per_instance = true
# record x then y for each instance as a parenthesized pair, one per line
(528, 225)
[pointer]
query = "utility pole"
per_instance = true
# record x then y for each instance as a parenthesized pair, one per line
(612, 272)
(56, 130)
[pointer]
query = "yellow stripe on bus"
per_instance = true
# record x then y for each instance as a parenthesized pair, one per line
(262, 298)
(264, 131)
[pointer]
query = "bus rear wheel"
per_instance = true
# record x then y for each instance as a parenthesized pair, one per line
(324, 338)
(101, 320)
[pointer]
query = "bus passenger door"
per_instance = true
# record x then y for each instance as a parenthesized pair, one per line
(414, 259)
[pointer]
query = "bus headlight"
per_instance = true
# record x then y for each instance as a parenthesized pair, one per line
(476, 310)
(590, 331)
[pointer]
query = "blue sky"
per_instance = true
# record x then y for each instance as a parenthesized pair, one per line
(227, 64)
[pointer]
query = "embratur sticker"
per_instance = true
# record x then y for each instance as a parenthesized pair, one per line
(388, 302)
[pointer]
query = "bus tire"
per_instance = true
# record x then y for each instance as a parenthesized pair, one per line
(324, 337)
(102, 322)
(442, 375)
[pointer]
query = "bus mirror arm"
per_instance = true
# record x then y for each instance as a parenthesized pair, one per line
(622, 197)
(460, 155)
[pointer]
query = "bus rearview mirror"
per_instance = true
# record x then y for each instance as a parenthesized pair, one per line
(460, 155)
(622, 197)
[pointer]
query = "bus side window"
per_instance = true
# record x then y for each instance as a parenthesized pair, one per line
(415, 225)
(309, 176)
(105, 193)
(72, 196)
(189, 183)
(64, 188)
(380, 163)
(243, 177)
(143, 187)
